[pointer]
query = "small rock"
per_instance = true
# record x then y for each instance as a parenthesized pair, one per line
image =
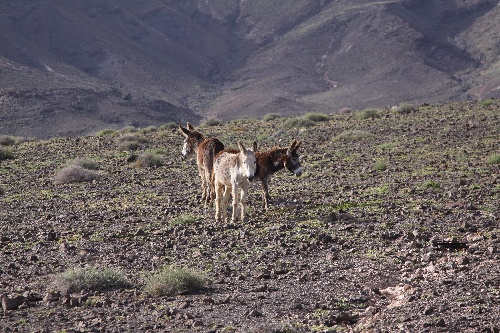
(255, 313)
(198, 323)
(463, 260)
(428, 310)
(441, 323)
(51, 297)
(371, 310)
(140, 232)
(12, 303)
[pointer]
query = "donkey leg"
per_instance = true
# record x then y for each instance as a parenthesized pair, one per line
(265, 194)
(243, 201)
(218, 201)
(235, 202)
(208, 195)
(225, 201)
(203, 184)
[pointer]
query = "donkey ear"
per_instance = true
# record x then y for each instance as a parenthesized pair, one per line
(292, 146)
(184, 131)
(254, 146)
(189, 126)
(242, 148)
(297, 145)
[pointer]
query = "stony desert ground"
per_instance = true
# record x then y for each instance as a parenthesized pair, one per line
(393, 227)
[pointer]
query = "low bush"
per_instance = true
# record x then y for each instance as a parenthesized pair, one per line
(171, 280)
(270, 117)
(6, 140)
(91, 279)
(298, 122)
(6, 154)
(316, 116)
(86, 163)
(211, 122)
(106, 132)
(368, 114)
(149, 160)
(75, 174)
(494, 159)
(487, 102)
(168, 126)
(380, 165)
(406, 108)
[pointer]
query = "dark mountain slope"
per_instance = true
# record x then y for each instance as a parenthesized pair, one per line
(232, 59)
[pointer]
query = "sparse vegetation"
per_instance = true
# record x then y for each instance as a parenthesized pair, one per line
(494, 159)
(171, 280)
(107, 132)
(75, 174)
(298, 123)
(380, 165)
(316, 117)
(210, 122)
(183, 219)
(91, 279)
(368, 114)
(86, 163)
(168, 126)
(131, 142)
(149, 160)
(487, 102)
(7, 140)
(406, 108)
(6, 153)
(271, 116)
(127, 129)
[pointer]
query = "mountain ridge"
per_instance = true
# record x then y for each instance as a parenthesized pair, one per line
(232, 59)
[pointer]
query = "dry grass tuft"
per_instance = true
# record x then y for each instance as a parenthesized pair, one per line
(171, 280)
(75, 174)
(91, 278)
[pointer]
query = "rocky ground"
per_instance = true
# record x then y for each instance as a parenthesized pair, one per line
(393, 227)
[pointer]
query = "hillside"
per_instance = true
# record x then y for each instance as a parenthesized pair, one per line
(72, 68)
(393, 226)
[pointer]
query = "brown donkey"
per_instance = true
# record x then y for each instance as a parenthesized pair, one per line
(273, 160)
(205, 150)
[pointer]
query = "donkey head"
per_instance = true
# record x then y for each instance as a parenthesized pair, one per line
(192, 139)
(247, 156)
(292, 161)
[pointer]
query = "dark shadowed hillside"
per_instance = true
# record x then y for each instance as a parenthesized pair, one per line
(72, 67)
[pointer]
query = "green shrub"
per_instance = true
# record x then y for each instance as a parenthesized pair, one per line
(430, 184)
(75, 174)
(487, 102)
(298, 122)
(168, 126)
(271, 116)
(106, 132)
(91, 279)
(380, 165)
(368, 114)
(6, 140)
(131, 141)
(127, 129)
(211, 122)
(149, 160)
(149, 129)
(406, 108)
(86, 163)
(353, 135)
(316, 116)
(494, 159)
(183, 219)
(170, 280)
(6, 154)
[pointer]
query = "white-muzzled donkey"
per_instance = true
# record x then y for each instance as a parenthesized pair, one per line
(233, 170)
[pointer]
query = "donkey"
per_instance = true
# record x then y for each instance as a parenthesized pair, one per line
(233, 169)
(271, 161)
(205, 150)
